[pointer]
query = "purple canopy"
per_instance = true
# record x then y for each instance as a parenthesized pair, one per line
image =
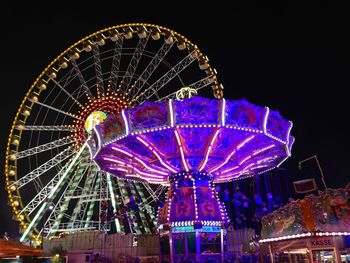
(227, 139)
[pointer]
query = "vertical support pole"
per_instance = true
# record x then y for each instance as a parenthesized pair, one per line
(198, 246)
(336, 250)
(222, 244)
(171, 247)
(271, 254)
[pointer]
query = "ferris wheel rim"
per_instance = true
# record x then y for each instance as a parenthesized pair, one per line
(44, 73)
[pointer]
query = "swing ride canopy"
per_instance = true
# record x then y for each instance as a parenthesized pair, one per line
(228, 139)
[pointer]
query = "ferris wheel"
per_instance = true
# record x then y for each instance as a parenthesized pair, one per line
(53, 184)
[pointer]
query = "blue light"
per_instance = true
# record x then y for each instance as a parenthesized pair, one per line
(210, 229)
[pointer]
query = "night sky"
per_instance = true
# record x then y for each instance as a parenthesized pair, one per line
(294, 59)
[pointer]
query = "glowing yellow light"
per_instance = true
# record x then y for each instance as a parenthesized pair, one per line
(94, 118)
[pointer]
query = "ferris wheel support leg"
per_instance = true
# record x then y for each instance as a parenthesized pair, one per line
(112, 196)
(34, 221)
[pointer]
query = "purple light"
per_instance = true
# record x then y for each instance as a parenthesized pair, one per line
(208, 150)
(226, 138)
(265, 118)
(184, 163)
(125, 123)
(157, 155)
(170, 103)
(134, 169)
(223, 112)
(139, 160)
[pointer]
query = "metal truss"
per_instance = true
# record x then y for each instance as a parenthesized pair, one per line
(124, 85)
(58, 110)
(47, 128)
(156, 60)
(44, 192)
(173, 72)
(116, 62)
(67, 93)
(98, 69)
(45, 147)
(81, 78)
(44, 167)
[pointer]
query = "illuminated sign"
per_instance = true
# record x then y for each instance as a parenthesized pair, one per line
(181, 229)
(94, 118)
(211, 229)
(321, 242)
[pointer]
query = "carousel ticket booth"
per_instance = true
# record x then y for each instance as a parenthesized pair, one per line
(315, 229)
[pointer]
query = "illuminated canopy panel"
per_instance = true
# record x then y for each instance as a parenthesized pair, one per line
(228, 139)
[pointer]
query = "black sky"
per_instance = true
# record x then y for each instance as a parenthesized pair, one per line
(294, 59)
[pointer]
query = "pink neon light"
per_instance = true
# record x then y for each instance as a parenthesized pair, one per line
(245, 141)
(229, 176)
(150, 168)
(139, 160)
(122, 151)
(209, 149)
(230, 169)
(156, 154)
(263, 149)
(224, 162)
(256, 152)
(181, 151)
(265, 118)
(125, 123)
(245, 159)
(132, 167)
(231, 154)
(288, 133)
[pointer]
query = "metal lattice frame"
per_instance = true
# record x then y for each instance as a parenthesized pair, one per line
(48, 134)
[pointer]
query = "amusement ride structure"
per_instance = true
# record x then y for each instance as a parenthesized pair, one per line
(53, 184)
(190, 145)
(114, 121)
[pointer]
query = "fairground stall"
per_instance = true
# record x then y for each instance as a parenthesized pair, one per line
(314, 229)
(189, 145)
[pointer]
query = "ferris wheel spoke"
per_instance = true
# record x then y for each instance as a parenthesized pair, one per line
(98, 70)
(67, 93)
(151, 67)
(57, 128)
(81, 79)
(124, 85)
(58, 110)
(173, 72)
(116, 62)
(45, 147)
(62, 156)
